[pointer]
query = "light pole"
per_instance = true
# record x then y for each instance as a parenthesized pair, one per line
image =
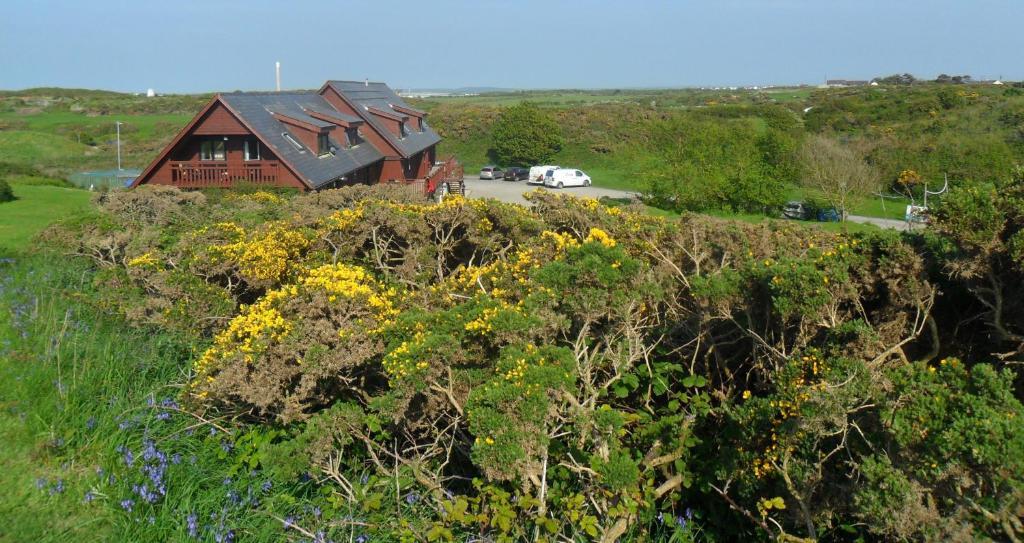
(118, 123)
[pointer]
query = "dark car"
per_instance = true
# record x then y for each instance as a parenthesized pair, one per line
(517, 174)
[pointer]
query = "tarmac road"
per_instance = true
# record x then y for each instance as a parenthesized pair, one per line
(512, 191)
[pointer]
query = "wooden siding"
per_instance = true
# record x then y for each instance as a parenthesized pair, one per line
(219, 122)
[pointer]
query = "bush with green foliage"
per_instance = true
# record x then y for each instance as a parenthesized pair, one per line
(567, 372)
(6, 194)
(525, 135)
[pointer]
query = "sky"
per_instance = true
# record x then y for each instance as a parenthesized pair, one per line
(185, 46)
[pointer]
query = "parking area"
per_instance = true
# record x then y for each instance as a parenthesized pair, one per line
(512, 191)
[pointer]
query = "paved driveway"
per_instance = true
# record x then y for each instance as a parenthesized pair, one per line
(512, 191)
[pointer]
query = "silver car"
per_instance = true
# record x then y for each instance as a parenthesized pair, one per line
(491, 172)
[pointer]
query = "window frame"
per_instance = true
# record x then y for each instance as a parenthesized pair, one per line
(208, 150)
(323, 144)
(247, 156)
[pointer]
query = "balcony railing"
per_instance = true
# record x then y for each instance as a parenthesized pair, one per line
(446, 171)
(220, 174)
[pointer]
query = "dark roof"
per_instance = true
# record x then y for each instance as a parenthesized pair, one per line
(380, 96)
(257, 111)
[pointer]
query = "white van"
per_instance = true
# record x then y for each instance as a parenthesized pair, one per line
(566, 178)
(537, 174)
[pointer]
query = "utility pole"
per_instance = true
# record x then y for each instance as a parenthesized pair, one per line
(118, 123)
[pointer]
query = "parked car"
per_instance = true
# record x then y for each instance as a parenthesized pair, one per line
(566, 178)
(537, 174)
(795, 210)
(804, 211)
(491, 172)
(516, 174)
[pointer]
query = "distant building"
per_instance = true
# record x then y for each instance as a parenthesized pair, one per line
(346, 133)
(846, 83)
(150, 93)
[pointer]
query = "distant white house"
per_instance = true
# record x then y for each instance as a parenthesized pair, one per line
(150, 93)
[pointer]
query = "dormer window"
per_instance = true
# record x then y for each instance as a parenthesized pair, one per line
(353, 136)
(403, 129)
(323, 144)
(421, 124)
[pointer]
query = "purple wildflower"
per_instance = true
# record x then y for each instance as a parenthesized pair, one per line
(127, 504)
(91, 423)
(40, 483)
(289, 522)
(88, 497)
(163, 415)
(362, 538)
(58, 487)
(129, 458)
(266, 486)
(411, 498)
(681, 521)
(176, 458)
(193, 525)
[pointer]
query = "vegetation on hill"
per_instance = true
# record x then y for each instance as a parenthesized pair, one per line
(357, 365)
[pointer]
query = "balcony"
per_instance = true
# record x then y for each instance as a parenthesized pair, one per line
(220, 174)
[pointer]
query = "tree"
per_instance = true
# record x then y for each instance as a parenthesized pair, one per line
(525, 135)
(837, 171)
(6, 194)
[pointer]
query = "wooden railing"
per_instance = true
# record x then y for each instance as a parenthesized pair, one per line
(449, 171)
(220, 174)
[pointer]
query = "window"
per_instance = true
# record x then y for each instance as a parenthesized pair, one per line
(288, 137)
(352, 135)
(402, 129)
(323, 144)
(211, 150)
(579, 173)
(252, 150)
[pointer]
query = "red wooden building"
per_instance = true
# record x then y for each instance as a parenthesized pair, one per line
(346, 133)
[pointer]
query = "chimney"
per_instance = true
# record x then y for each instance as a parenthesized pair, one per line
(277, 73)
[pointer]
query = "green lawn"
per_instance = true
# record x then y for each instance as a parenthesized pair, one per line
(36, 208)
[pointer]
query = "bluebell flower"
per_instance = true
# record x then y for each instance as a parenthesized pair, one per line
(213, 431)
(289, 522)
(88, 497)
(193, 526)
(40, 483)
(688, 513)
(233, 497)
(362, 538)
(91, 423)
(127, 504)
(681, 521)
(266, 486)
(163, 415)
(661, 518)
(227, 481)
(176, 458)
(151, 519)
(58, 487)
(129, 458)
(411, 498)
(316, 511)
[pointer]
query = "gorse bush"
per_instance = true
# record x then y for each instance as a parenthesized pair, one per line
(570, 371)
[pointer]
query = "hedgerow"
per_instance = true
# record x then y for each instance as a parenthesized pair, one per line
(569, 371)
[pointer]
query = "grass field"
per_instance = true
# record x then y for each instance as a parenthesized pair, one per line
(36, 207)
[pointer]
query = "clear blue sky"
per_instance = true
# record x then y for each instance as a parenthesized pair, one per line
(211, 45)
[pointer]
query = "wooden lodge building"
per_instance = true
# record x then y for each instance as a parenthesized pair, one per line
(348, 132)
